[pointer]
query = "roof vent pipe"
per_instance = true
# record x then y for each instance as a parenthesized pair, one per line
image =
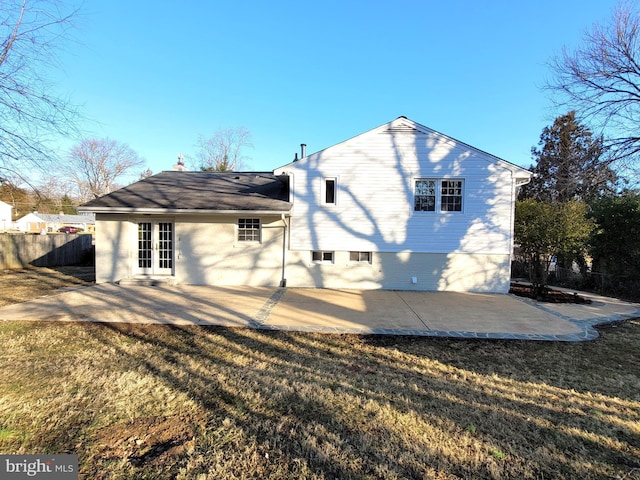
(295, 159)
(303, 150)
(179, 167)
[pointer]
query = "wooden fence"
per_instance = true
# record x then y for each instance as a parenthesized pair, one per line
(20, 250)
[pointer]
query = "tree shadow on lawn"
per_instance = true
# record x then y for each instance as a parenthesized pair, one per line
(84, 273)
(23, 284)
(340, 406)
(593, 367)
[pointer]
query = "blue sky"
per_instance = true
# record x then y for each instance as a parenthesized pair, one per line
(155, 75)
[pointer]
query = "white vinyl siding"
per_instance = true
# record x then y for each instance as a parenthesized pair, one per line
(376, 197)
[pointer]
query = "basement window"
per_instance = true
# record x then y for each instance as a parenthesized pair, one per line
(322, 256)
(360, 257)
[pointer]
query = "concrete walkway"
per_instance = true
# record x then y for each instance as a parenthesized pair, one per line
(441, 314)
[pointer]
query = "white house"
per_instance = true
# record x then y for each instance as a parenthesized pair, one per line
(5, 216)
(35, 222)
(398, 207)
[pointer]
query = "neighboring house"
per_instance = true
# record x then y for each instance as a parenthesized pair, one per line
(398, 207)
(5, 216)
(37, 222)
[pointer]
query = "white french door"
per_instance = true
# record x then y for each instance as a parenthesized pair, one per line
(155, 248)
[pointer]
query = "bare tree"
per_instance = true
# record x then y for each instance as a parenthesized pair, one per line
(601, 80)
(146, 173)
(51, 191)
(97, 164)
(30, 113)
(224, 151)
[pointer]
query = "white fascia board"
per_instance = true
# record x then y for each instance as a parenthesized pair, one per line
(165, 211)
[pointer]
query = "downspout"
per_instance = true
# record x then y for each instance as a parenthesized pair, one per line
(284, 226)
(283, 280)
(285, 230)
(512, 223)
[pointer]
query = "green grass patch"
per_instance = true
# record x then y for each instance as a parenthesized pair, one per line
(15, 328)
(7, 434)
(497, 454)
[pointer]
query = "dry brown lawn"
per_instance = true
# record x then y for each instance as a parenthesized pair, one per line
(26, 284)
(156, 402)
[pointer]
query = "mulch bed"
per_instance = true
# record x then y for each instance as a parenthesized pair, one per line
(551, 295)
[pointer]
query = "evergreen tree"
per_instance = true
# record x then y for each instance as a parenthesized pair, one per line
(67, 206)
(569, 164)
(615, 246)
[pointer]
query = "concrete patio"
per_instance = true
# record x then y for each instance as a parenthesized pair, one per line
(441, 314)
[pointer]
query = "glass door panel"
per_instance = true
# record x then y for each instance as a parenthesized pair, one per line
(155, 248)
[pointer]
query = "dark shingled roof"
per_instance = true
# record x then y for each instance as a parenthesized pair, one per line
(199, 191)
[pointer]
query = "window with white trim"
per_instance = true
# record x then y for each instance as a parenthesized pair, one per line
(425, 195)
(438, 195)
(451, 195)
(248, 229)
(322, 256)
(329, 191)
(360, 257)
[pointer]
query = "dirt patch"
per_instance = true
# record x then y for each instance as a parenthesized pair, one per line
(551, 295)
(147, 440)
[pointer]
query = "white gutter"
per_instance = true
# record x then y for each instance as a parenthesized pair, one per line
(164, 211)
